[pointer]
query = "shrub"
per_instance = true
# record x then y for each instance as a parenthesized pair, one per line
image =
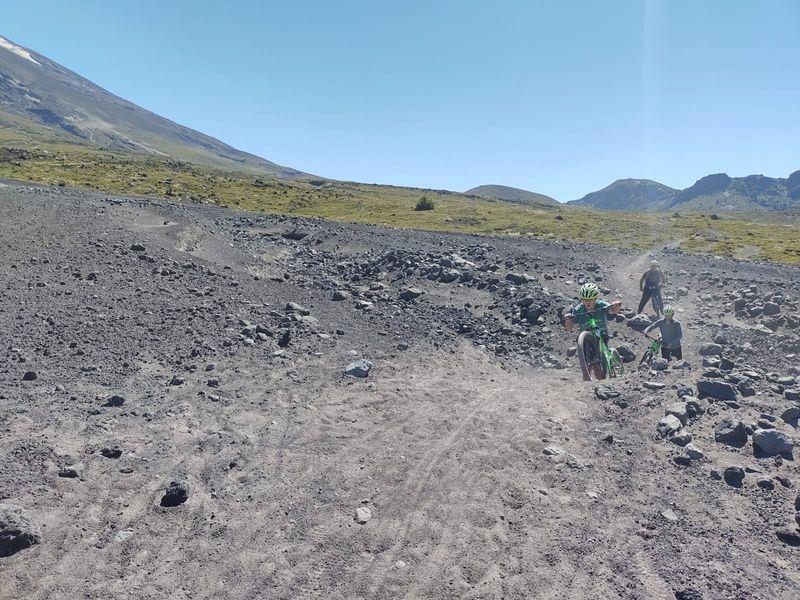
(424, 203)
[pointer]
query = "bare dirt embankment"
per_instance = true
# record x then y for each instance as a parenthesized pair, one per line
(146, 342)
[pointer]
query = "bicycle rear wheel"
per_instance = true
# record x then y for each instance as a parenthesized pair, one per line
(658, 302)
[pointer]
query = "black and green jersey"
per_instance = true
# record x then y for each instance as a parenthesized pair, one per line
(600, 314)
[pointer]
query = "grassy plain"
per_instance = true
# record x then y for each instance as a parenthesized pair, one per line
(770, 236)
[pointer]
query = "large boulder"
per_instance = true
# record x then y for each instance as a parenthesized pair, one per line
(668, 425)
(678, 409)
(626, 353)
(711, 350)
(659, 364)
(532, 313)
(716, 389)
(519, 278)
(639, 322)
(411, 293)
(449, 275)
(731, 432)
(772, 442)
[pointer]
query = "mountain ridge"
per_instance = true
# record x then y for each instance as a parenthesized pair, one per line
(717, 192)
(44, 93)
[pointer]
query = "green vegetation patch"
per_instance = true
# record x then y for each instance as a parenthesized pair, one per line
(756, 235)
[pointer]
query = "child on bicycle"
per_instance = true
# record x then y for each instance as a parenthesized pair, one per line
(589, 307)
(671, 334)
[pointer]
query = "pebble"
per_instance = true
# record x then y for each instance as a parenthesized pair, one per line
(358, 368)
(654, 385)
(363, 515)
(74, 471)
(669, 515)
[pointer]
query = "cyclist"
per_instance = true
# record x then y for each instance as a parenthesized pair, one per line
(591, 306)
(671, 334)
(650, 284)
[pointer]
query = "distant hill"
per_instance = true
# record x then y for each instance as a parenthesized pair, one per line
(717, 192)
(41, 101)
(754, 192)
(630, 194)
(511, 194)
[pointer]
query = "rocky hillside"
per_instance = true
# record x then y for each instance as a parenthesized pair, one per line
(718, 192)
(755, 192)
(203, 403)
(42, 101)
(630, 194)
(511, 194)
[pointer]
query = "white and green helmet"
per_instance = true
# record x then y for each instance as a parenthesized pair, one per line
(669, 311)
(589, 291)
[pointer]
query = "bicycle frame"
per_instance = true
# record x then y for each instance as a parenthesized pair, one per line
(611, 363)
(653, 350)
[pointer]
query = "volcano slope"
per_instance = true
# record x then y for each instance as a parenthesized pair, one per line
(146, 343)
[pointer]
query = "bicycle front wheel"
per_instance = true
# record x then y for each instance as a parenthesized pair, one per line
(583, 349)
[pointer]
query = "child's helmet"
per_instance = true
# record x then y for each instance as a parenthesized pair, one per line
(589, 291)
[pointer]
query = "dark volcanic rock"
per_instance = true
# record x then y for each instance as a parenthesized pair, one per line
(639, 322)
(771, 442)
(111, 452)
(411, 293)
(605, 392)
(177, 492)
(734, 476)
(75, 471)
(16, 530)
(789, 537)
(716, 389)
(689, 594)
(731, 432)
(114, 401)
(626, 353)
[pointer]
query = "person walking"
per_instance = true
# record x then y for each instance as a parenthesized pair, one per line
(671, 334)
(650, 284)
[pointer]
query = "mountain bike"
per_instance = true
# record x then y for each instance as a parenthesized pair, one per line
(658, 302)
(594, 356)
(653, 350)
(654, 292)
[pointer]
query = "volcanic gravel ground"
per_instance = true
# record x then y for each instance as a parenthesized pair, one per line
(176, 421)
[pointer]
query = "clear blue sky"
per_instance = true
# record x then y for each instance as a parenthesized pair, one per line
(560, 98)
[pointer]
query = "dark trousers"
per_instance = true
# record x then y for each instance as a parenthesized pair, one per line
(667, 352)
(646, 295)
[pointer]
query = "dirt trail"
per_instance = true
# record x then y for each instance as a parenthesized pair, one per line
(486, 475)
